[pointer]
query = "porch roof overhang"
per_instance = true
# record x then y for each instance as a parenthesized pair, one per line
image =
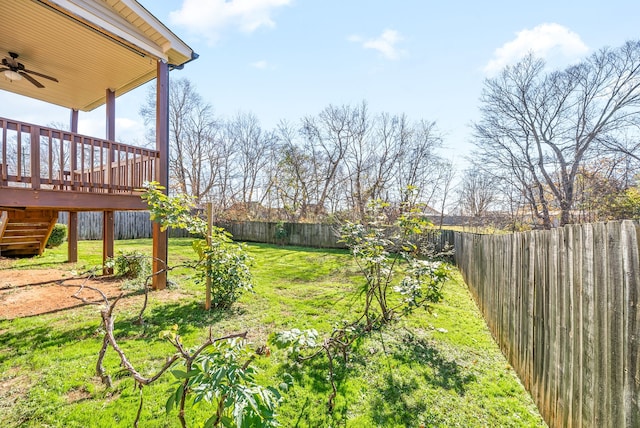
(88, 45)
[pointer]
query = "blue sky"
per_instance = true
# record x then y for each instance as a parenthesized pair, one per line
(285, 59)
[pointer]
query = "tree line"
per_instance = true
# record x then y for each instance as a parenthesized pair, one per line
(552, 147)
(326, 165)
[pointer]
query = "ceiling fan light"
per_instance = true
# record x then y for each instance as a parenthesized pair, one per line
(12, 75)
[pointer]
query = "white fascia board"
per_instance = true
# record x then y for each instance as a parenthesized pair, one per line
(175, 42)
(103, 18)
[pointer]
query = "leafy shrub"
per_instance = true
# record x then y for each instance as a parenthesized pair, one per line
(58, 235)
(281, 233)
(383, 253)
(223, 377)
(226, 265)
(220, 260)
(132, 265)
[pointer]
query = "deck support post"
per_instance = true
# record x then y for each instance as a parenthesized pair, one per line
(72, 237)
(107, 241)
(34, 169)
(160, 238)
(108, 228)
(72, 226)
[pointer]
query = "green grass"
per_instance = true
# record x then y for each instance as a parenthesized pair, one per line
(441, 369)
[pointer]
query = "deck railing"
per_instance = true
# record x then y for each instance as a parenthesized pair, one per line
(38, 157)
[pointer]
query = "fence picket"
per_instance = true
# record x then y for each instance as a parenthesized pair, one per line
(573, 295)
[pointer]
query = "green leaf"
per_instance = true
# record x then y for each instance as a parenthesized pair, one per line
(227, 421)
(193, 372)
(250, 398)
(209, 422)
(178, 394)
(170, 403)
(180, 374)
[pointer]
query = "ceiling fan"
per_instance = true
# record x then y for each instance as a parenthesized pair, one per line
(14, 70)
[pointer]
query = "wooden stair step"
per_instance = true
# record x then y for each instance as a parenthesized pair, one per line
(11, 239)
(22, 235)
(28, 223)
(15, 234)
(20, 244)
(30, 213)
(40, 219)
(26, 229)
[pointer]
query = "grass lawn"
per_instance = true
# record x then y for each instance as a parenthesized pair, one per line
(433, 370)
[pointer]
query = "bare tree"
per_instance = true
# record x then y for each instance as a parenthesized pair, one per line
(360, 159)
(253, 147)
(540, 127)
(223, 193)
(293, 180)
(194, 136)
(478, 193)
(327, 138)
(418, 165)
(446, 180)
(374, 160)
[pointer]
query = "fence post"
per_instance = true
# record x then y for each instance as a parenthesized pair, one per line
(207, 304)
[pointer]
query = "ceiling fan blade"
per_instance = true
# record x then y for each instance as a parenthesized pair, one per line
(32, 80)
(39, 75)
(4, 68)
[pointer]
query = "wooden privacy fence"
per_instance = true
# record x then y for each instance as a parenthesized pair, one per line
(136, 224)
(302, 234)
(563, 306)
(127, 225)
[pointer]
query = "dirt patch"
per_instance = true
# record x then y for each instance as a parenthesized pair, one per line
(79, 394)
(34, 292)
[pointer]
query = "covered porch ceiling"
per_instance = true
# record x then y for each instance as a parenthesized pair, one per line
(89, 46)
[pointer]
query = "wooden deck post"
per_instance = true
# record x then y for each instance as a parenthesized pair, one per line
(107, 240)
(34, 170)
(72, 237)
(108, 226)
(72, 226)
(160, 238)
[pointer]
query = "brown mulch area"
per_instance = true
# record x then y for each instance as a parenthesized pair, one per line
(32, 292)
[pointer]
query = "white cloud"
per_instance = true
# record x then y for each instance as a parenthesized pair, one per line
(91, 126)
(262, 64)
(209, 18)
(386, 43)
(548, 41)
(128, 131)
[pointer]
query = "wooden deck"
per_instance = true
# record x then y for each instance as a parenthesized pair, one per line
(47, 168)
